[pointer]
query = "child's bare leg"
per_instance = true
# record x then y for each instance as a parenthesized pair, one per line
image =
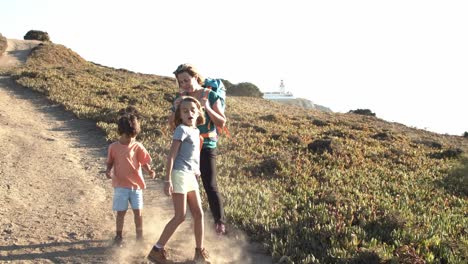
(180, 207)
(138, 218)
(119, 222)
(194, 202)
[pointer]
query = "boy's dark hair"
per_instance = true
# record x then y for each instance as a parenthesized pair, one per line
(130, 110)
(128, 124)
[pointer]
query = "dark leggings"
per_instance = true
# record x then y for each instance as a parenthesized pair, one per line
(208, 175)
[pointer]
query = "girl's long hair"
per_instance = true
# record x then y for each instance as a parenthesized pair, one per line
(201, 116)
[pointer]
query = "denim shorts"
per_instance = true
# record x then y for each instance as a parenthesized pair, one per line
(123, 196)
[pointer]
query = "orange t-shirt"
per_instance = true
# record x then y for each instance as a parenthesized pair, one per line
(127, 161)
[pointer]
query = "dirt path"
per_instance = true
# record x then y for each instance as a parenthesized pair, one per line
(17, 51)
(55, 202)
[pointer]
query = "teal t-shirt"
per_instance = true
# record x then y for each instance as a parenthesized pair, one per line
(209, 126)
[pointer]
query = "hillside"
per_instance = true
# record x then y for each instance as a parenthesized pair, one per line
(302, 102)
(312, 186)
(55, 203)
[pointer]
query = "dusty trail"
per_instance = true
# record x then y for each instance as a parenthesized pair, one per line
(52, 194)
(55, 202)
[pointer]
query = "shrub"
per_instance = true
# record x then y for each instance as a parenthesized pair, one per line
(456, 181)
(244, 89)
(366, 112)
(227, 84)
(270, 118)
(37, 35)
(429, 143)
(383, 226)
(366, 257)
(449, 153)
(321, 146)
(407, 255)
(319, 123)
(382, 136)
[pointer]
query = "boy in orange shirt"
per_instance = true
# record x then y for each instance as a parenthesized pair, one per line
(125, 158)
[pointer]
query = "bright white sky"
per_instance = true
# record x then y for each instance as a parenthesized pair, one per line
(407, 61)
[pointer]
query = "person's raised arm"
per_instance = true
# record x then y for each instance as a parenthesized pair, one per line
(216, 113)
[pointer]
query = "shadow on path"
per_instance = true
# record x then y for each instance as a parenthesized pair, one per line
(91, 250)
(90, 137)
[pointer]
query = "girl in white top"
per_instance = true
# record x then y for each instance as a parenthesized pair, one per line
(182, 171)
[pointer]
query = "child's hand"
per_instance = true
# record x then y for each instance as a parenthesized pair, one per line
(168, 188)
(152, 174)
(108, 174)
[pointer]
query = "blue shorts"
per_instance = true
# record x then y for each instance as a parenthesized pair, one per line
(122, 196)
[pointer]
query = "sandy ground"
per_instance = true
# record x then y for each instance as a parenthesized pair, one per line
(55, 201)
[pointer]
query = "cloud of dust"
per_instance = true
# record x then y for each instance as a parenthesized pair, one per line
(231, 248)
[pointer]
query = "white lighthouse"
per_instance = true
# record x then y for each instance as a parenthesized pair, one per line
(279, 95)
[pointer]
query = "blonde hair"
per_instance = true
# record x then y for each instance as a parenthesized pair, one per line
(201, 116)
(191, 70)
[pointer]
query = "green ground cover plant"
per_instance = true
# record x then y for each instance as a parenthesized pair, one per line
(311, 186)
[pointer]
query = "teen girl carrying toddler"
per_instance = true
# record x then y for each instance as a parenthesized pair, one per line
(182, 171)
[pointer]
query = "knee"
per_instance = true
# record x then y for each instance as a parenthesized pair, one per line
(121, 214)
(179, 219)
(197, 215)
(137, 213)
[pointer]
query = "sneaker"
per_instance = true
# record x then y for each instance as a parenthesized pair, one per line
(220, 229)
(158, 255)
(201, 256)
(118, 241)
